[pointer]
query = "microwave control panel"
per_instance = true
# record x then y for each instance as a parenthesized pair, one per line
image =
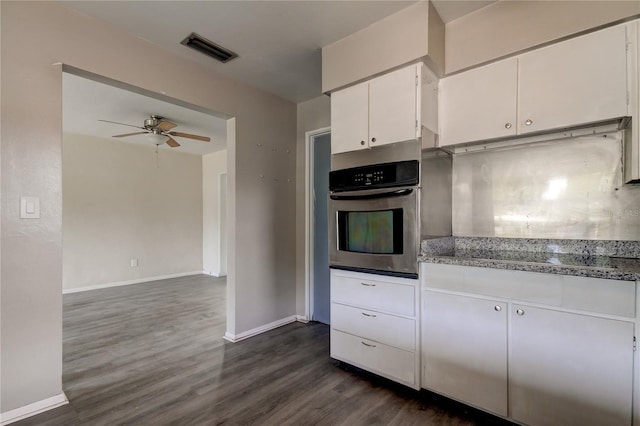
(386, 175)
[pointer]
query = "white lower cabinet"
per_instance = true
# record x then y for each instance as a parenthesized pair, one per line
(465, 350)
(495, 347)
(567, 368)
(374, 324)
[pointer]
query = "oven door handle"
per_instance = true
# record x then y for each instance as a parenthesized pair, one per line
(389, 194)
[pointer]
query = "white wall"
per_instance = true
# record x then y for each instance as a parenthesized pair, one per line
(119, 202)
(412, 34)
(312, 115)
(506, 27)
(261, 281)
(213, 165)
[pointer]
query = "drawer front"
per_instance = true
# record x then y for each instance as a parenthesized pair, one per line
(393, 363)
(376, 295)
(384, 328)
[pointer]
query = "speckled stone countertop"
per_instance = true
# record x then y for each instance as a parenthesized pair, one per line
(618, 260)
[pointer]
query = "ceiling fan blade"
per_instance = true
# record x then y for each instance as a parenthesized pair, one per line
(129, 134)
(165, 125)
(122, 124)
(172, 142)
(190, 136)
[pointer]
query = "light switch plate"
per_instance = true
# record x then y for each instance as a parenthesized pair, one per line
(29, 207)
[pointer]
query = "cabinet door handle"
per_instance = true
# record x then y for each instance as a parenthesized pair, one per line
(362, 142)
(368, 285)
(520, 312)
(497, 308)
(368, 345)
(369, 315)
(528, 122)
(507, 126)
(373, 139)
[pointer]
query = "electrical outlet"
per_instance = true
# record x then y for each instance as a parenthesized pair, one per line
(134, 263)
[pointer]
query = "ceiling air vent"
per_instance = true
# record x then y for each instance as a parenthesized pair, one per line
(209, 48)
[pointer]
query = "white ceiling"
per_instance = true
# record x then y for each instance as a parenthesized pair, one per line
(278, 42)
(86, 101)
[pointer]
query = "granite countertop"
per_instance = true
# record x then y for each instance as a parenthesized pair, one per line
(618, 260)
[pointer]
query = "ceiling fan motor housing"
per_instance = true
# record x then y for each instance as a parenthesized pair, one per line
(152, 123)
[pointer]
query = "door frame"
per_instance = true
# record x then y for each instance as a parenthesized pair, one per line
(222, 227)
(310, 137)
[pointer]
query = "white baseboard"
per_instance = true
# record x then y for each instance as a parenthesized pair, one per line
(33, 409)
(302, 318)
(121, 283)
(233, 338)
(215, 274)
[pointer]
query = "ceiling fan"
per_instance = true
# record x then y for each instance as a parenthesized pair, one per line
(157, 125)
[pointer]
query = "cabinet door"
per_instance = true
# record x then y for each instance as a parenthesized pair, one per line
(392, 107)
(350, 119)
(578, 81)
(566, 368)
(464, 349)
(479, 104)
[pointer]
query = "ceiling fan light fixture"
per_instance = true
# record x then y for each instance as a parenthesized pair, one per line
(209, 48)
(156, 139)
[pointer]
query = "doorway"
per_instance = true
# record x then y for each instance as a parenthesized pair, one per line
(134, 206)
(319, 165)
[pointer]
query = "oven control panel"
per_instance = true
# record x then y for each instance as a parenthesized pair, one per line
(386, 175)
(370, 178)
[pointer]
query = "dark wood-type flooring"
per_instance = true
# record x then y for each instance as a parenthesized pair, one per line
(153, 354)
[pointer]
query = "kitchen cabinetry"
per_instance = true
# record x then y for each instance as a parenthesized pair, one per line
(631, 160)
(466, 354)
(479, 104)
(567, 368)
(582, 80)
(374, 324)
(350, 119)
(540, 349)
(384, 110)
(574, 82)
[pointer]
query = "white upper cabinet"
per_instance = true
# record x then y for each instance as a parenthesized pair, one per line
(578, 81)
(479, 104)
(381, 111)
(582, 80)
(392, 107)
(350, 119)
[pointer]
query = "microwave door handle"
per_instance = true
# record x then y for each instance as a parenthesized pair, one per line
(389, 194)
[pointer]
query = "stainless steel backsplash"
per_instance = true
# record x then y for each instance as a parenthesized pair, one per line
(570, 189)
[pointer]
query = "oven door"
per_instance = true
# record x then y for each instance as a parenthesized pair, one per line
(375, 231)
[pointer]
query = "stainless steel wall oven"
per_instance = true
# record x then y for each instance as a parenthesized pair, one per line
(374, 219)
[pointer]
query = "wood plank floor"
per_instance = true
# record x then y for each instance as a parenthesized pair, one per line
(153, 354)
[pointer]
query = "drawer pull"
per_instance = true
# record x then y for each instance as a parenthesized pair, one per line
(368, 285)
(369, 315)
(368, 345)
